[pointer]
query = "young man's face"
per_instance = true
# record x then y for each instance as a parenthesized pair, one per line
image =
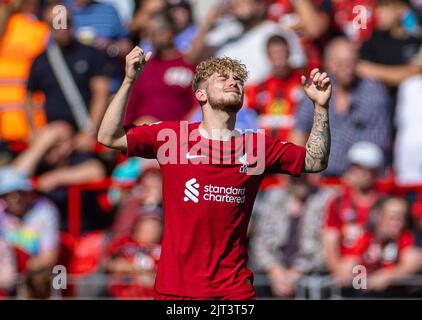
(225, 92)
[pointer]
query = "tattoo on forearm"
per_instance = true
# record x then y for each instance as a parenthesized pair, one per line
(318, 145)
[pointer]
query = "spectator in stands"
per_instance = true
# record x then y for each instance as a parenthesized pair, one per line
(132, 259)
(22, 38)
(8, 269)
(124, 8)
(348, 213)
(240, 30)
(87, 67)
(30, 224)
(310, 20)
(388, 55)
(145, 197)
(52, 158)
(167, 95)
(276, 98)
(407, 158)
(387, 249)
(99, 25)
(360, 108)
(286, 241)
(355, 19)
(55, 162)
(181, 15)
(141, 19)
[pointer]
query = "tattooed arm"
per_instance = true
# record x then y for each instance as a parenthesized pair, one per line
(319, 141)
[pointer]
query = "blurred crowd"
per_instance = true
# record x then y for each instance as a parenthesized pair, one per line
(62, 61)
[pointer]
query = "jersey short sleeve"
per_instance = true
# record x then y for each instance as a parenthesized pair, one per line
(142, 140)
(284, 157)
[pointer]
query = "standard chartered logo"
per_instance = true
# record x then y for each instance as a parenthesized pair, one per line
(191, 190)
(213, 193)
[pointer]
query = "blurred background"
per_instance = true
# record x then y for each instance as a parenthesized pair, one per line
(354, 231)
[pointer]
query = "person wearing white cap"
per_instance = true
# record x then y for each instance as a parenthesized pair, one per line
(28, 222)
(366, 154)
(348, 213)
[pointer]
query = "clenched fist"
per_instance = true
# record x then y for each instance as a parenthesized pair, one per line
(318, 89)
(135, 62)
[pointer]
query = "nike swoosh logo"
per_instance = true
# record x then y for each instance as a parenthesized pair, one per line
(193, 156)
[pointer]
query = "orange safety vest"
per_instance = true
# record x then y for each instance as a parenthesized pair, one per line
(24, 39)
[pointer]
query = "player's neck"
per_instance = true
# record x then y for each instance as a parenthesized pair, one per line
(218, 125)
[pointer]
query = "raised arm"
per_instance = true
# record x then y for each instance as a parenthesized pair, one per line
(390, 75)
(111, 133)
(318, 89)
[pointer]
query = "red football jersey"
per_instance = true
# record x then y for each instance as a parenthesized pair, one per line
(376, 254)
(164, 91)
(349, 218)
(207, 206)
(275, 101)
(145, 257)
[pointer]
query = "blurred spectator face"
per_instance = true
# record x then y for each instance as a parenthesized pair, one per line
(151, 180)
(148, 230)
(160, 33)
(278, 54)
(246, 11)
(365, 159)
(360, 177)
(181, 16)
(82, 3)
(148, 9)
(388, 14)
(17, 202)
(392, 218)
(225, 92)
(151, 186)
(340, 60)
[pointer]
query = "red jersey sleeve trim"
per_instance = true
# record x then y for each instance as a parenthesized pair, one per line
(131, 140)
(300, 164)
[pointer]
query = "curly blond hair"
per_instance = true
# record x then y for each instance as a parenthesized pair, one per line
(222, 66)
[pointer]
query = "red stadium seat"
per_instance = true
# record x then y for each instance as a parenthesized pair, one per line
(87, 253)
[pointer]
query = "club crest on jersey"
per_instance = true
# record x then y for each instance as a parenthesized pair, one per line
(245, 164)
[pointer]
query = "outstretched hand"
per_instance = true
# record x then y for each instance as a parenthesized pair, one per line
(135, 63)
(318, 87)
